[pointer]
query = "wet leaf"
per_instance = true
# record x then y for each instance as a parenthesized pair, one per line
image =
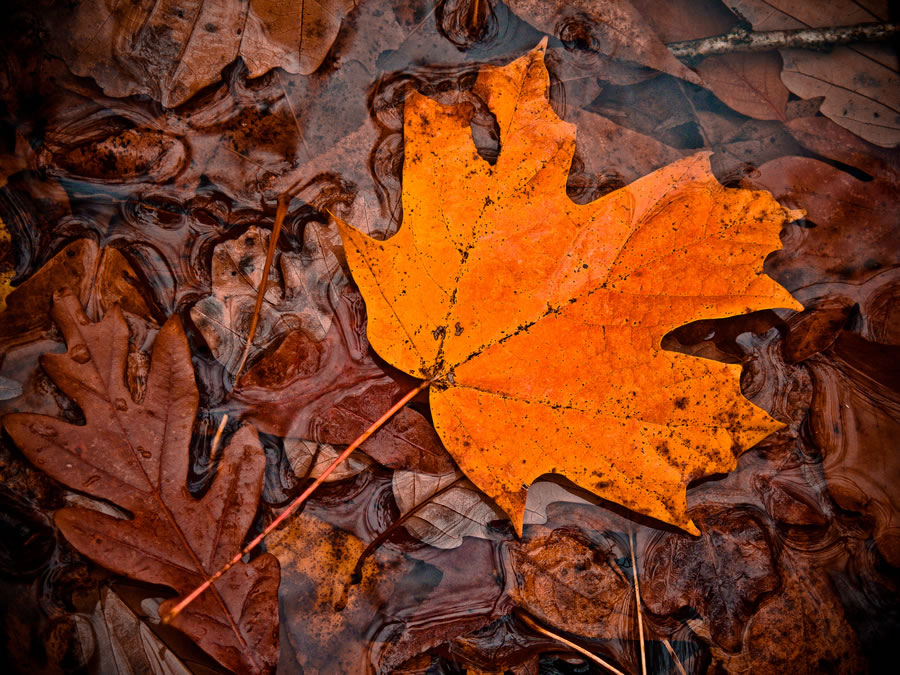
(331, 391)
(859, 82)
(614, 29)
(722, 575)
(301, 294)
(135, 455)
(540, 319)
(748, 83)
(309, 459)
(853, 418)
(457, 512)
(172, 50)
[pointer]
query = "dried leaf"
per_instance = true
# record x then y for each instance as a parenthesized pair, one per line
(860, 83)
(171, 50)
(135, 455)
(615, 29)
(541, 319)
(443, 521)
(722, 575)
(309, 459)
(301, 294)
(855, 420)
(748, 83)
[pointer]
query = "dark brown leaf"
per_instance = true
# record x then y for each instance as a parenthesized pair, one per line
(135, 455)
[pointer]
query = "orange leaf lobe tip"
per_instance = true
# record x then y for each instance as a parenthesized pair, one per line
(542, 319)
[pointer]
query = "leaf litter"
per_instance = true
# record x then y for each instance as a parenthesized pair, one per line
(164, 187)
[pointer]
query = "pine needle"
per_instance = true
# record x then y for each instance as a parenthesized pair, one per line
(637, 600)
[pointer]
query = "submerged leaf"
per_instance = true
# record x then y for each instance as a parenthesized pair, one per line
(136, 455)
(540, 320)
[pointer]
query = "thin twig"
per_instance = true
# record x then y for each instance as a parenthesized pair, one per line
(393, 527)
(294, 505)
(743, 40)
(674, 656)
(637, 600)
(571, 645)
(283, 200)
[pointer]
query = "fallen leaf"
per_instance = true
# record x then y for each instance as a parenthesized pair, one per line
(749, 83)
(127, 644)
(860, 82)
(723, 575)
(99, 278)
(854, 419)
(443, 521)
(615, 29)
(338, 620)
(333, 390)
(173, 50)
(540, 319)
(570, 582)
(677, 20)
(849, 230)
(801, 629)
(135, 455)
(302, 291)
(309, 459)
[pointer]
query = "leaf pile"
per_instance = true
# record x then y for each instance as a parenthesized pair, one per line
(145, 146)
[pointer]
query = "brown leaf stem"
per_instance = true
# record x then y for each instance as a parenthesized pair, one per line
(637, 600)
(294, 505)
(743, 40)
(568, 643)
(373, 545)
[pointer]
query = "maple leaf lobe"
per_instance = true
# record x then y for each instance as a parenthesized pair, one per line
(554, 363)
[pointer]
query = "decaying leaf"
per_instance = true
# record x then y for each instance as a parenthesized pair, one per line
(338, 619)
(722, 575)
(860, 83)
(614, 29)
(540, 320)
(128, 645)
(855, 419)
(301, 294)
(748, 83)
(136, 455)
(457, 512)
(333, 390)
(309, 459)
(569, 581)
(171, 50)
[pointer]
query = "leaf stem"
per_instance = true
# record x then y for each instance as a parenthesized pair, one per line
(294, 505)
(568, 643)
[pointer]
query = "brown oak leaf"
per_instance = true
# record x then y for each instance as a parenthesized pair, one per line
(134, 453)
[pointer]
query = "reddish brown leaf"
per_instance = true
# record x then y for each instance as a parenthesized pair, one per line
(722, 574)
(331, 391)
(135, 455)
(748, 83)
(855, 420)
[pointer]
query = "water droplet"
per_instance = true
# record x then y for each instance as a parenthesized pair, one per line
(121, 404)
(80, 354)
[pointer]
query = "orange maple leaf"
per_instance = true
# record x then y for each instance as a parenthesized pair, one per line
(541, 319)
